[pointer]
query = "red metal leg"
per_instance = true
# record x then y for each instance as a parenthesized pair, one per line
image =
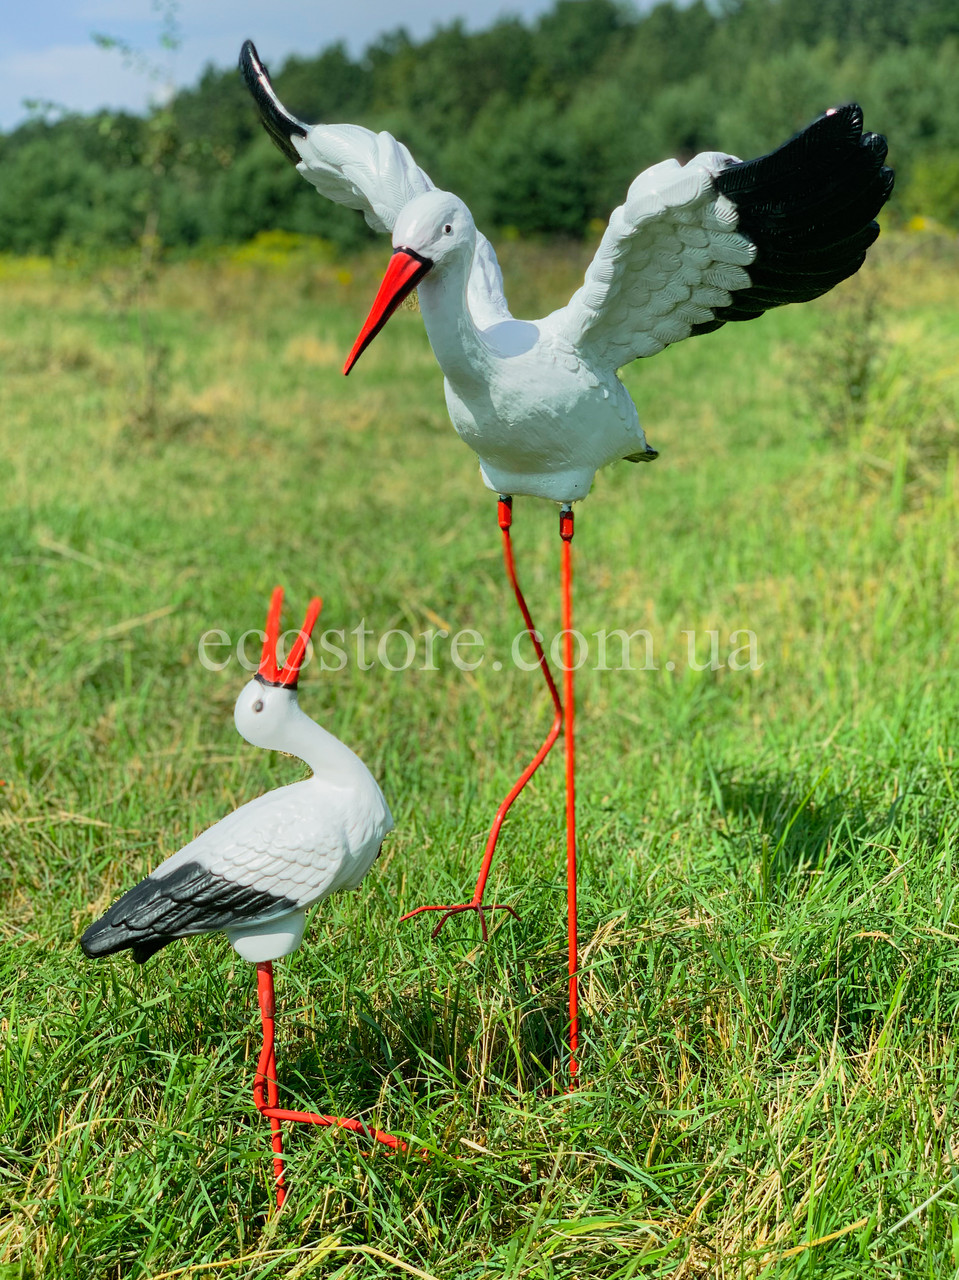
(265, 1081)
(566, 578)
(505, 512)
(266, 1073)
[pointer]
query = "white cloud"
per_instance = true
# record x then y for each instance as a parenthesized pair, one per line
(84, 78)
(79, 77)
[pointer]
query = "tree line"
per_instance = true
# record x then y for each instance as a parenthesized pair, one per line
(540, 126)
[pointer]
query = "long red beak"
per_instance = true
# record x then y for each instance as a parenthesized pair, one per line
(407, 268)
(288, 674)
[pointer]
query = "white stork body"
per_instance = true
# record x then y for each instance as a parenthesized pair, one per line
(692, 247)
(541, 418)
(255, 873)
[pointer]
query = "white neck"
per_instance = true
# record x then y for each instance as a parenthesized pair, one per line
(457, 343)
(330, 759)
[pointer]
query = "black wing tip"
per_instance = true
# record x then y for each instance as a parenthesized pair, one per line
(96, 941)
(252, 66)
(91, 945)
(104, 938)
(276, 120)
(809, 207)
(876, 144)
(833, 140)
(850, 113)
(142, 951)
(185, 902)
(113, 932)
(100, 941)
(837, 124)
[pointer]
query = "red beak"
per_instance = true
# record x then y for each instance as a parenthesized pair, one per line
(286, 675)
(407, 268)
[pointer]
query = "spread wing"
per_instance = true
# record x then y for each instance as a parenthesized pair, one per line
(371, 172)
(717, 239)
(346, 163)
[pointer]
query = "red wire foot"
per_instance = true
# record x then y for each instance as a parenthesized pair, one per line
(478, 907)
(505, 517)
(352, 1126)
(266, 1094)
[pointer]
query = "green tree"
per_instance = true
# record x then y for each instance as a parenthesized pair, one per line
(539, 126)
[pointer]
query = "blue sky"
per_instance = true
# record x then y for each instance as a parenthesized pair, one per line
(47, 52)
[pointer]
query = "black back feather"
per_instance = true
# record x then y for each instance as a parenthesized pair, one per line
(809, 207)
(187, 901)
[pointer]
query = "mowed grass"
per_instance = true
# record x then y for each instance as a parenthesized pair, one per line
(769, 923)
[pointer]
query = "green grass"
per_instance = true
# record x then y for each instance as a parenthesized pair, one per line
(768, 914)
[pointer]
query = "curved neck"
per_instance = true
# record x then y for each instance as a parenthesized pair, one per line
(457, 344)
(328, 757)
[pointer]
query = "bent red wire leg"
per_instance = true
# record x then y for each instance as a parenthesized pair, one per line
(265, 1081)
(566, 579)
(266, 1073)
(505, 513)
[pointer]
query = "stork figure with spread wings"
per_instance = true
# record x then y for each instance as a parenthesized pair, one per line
(539, 402)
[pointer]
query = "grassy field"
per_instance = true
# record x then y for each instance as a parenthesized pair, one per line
(768, 901)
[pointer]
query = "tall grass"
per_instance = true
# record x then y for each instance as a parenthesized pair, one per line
(769, 923)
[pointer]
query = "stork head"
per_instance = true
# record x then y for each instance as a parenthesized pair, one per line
(433, 230)
(267, 707)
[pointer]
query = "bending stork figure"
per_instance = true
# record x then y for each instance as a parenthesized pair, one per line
(255, 874)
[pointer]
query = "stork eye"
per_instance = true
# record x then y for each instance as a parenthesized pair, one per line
(258, 705)
(448, 229)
